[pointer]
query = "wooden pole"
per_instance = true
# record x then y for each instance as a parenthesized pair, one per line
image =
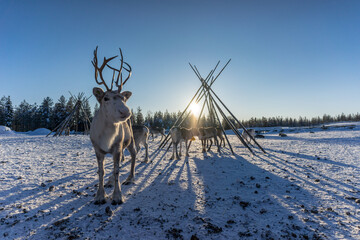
(236, 119)
(213, 112)
(162, 144)
(224, 116)
(233, 128)
(222, 128)
(166, 139)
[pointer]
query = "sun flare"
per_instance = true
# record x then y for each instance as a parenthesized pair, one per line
(195, 109)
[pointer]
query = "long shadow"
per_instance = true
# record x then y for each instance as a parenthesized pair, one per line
(300, 174)
(312, 158)
(258, 204)
(316, 175)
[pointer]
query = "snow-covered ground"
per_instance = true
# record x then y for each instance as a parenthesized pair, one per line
(305, 187)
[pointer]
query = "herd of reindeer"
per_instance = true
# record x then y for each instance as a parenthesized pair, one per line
(111, 130)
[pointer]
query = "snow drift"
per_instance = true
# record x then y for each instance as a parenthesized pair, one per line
(39, 131)
(6, 131)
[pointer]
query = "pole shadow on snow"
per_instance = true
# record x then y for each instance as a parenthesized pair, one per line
(302, 171)
(311, 158)
(248, 205)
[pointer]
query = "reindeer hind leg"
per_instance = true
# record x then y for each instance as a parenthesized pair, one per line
(146, 149)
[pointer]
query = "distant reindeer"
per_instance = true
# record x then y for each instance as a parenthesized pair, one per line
(111, 130)
(141, 135)
(179, 135)
(246, 136)
(220, 136)
(157, 130)
(206, 133)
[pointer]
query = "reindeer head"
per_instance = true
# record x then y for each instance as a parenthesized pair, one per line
(112, 102)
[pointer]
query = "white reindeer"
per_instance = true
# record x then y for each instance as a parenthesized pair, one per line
(246, 136)
(206, 133)
(179, 135)
(157, 130)
(111, 130)
(141, 136)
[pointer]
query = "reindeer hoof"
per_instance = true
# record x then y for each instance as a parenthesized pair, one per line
(129, 181)
(118, 202)
(108, 185)
(100, 202)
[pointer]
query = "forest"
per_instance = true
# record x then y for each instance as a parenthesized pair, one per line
(28, 117)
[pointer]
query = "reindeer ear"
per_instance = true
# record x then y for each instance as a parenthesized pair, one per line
(126, 95)
(99, 93)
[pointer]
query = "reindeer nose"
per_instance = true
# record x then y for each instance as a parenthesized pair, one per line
(123, 112)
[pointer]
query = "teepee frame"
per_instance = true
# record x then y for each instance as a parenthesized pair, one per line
(64, 127)
(214, 107)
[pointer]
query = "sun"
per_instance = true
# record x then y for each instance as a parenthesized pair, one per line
(195, 109)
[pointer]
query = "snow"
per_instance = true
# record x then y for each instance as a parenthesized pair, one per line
(6, 130)
(39, 131)
(305, 187)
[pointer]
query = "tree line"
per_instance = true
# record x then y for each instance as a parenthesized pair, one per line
(28, 117)
(166, 120)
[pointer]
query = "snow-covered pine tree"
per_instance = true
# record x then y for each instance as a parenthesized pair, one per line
(96, 108)
(149, 120)
(2, 111)
(85, 114)
(158, 119)
(139, 117)
(59, 111)
(22, 117)
(8, 112)
(45, 111)
(167, 120)
(69, 107)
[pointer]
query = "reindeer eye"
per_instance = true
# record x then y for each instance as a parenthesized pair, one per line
(106, 99)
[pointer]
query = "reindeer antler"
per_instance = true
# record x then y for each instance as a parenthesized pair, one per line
(129, 70)
(97, 69)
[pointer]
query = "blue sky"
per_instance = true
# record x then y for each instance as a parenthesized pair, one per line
(289, 58)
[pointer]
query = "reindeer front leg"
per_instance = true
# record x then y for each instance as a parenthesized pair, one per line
(180, 143)
(100, 197)
(203, 143)
(211, 143)
(132, 150)
(117, 197)
(186, 148)
(173, 148)
(217, 143)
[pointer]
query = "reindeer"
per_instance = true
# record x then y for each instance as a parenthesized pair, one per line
(157, 130)
(206, 133)
(179, 135)
(111, 130)
(246, 136)
(220, 135)
(141, 135)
